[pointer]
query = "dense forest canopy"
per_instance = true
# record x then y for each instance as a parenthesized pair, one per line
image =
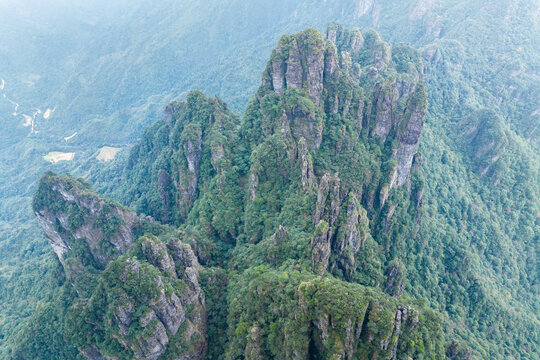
(341, 176)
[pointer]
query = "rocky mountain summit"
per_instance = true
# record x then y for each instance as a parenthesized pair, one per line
(274, 234)
(333, 73)
(127, 284)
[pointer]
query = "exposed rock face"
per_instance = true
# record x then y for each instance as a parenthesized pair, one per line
(188, 269)
(188, 177)
(320, 247)
(218, 152)
(351, 236)
(408, 121)
(486, 138)
(396, 275)
(170, 111)
(80, 214)
(92, 353)
(331, 319)
(409, 137)
(404, 316)
(328, 199)
(343, 238)
(307, 63)
(386, 103)
(156, 253)
(253, 184)
(298, 62)
(254, 348)
(308, 177)
(326, 214)
(145, 300)
(330, 62)
(94, 238)
(349, 39)
(303, 122)
(195, 133)
(75, 218)
(280, 236)
(155, 342)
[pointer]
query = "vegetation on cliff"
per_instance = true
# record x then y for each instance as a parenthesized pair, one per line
(317, 189)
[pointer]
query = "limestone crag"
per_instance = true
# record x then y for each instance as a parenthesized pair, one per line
(188, 176)
(298, 62)
(351, 236)
(136, 286)
(194, 134)
(155, 295)
(163, 319)
(329, 72)
(347, 333)
(308, 177)
(86, 231)
(75, 213)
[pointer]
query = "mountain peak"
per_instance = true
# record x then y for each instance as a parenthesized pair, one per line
(309, 181)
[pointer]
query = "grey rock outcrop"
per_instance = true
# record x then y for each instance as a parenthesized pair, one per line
(280, 236)
(303, 123)
(134, 285)
(150, 309)
(396, 275)
(296, 63)
(407, 121)
(320, 247)
(351, 236)
(308, 177)
(196, 133)
(344, 238)
(409, 137)
(188, 178)
(326, 214)
(76, 212)
(327, 70)
(404, 316)
(73, 217)
(328, 199)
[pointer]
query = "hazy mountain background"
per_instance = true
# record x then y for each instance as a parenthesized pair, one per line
(105, 70)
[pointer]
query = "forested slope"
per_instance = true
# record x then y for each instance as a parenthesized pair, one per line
(469, 248)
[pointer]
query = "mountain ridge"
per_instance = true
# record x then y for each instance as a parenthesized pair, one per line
(471, 255)
(203, 163)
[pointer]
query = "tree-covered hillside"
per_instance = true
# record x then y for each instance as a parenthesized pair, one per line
(464, 237)
(303, 199)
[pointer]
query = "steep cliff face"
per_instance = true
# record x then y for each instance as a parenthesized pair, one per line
(148, 305)
(177, 156)
(313, 317)
(347, 111)
(294, 210)
(86, 231)
(138, 297)
(379, 88)
(67, 207)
